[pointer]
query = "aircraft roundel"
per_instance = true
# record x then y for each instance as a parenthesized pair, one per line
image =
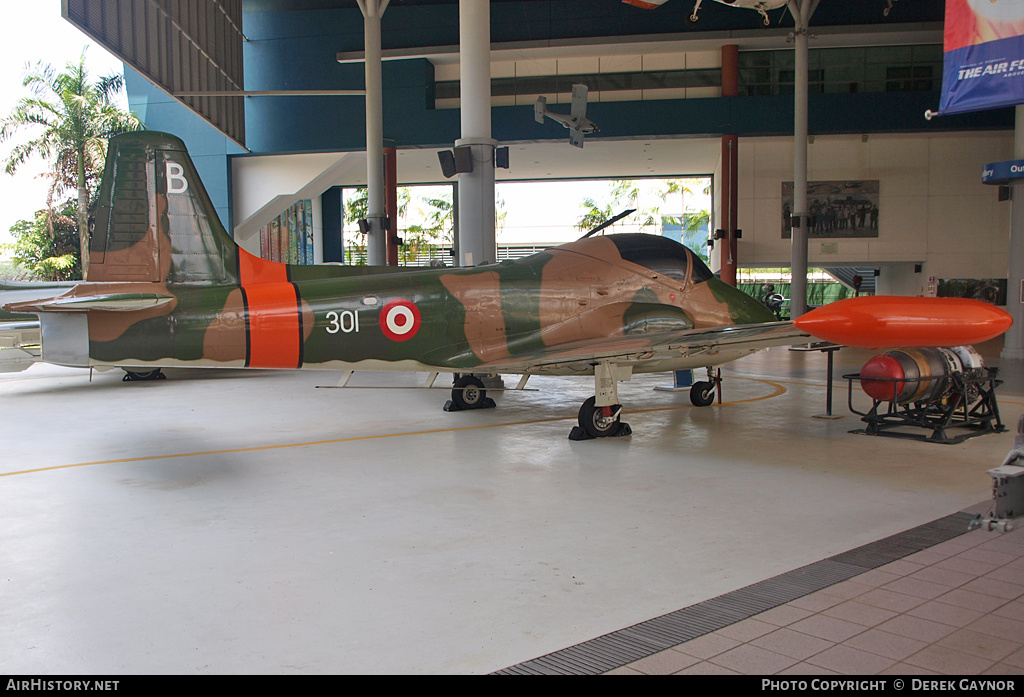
(400, 320)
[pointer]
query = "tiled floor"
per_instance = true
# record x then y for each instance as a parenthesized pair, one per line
(954, 608)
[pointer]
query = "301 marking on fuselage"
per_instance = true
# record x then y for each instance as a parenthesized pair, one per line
(346, 321)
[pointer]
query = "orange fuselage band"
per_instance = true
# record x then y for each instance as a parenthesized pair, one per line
(272, 314)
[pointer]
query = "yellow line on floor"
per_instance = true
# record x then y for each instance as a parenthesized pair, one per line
(777, 391)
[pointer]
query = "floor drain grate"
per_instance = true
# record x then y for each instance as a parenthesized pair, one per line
(627, 645)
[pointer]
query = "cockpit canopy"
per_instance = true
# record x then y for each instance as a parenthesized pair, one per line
(662, 256)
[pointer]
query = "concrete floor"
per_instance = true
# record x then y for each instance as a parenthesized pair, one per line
(245, 522)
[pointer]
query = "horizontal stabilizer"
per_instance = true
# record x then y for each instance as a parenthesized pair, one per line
(19, 346)
(16, 360)
(19, 334)
(111, 302)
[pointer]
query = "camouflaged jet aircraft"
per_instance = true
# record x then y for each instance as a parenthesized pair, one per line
(169, 288)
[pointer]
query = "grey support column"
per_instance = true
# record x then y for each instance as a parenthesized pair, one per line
(476, 189)
(801, 11)
(1014, 339)
(376, 238)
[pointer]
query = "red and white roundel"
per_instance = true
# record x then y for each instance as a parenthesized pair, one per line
(400, 320)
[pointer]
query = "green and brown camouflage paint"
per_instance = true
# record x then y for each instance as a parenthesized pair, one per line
(157, 237)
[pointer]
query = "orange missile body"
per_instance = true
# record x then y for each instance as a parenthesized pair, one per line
(883, 321)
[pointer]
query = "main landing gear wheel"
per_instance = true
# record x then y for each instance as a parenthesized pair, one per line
(702, 394)
(143, 375)
(599, 422)
(468, 393)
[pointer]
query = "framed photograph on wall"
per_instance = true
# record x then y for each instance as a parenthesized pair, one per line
(836, 209)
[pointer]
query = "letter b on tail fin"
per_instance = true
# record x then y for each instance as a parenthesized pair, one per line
(176, 183)
(155, 221)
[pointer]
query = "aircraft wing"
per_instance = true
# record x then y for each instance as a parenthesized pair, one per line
(655, 346)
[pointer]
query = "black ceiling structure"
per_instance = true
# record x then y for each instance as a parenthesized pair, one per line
(179, 45)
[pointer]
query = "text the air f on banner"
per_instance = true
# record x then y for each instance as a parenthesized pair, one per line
(983, 66)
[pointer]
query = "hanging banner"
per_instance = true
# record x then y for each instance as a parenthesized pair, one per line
(983, 66)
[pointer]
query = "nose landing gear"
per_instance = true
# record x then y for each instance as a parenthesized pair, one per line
(599, 416)
(599, 422)
(702, 394)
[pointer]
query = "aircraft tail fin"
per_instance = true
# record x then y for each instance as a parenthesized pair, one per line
(155, 221)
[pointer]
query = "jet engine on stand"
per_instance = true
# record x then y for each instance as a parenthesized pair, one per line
(929, 388)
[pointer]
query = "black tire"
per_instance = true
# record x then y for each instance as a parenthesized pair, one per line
(468, 392)
(702, 394)
(591, 421)
(132, 375)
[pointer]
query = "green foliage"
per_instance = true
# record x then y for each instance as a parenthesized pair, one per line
(622, 194)
(416, 242)
(440, 217)
(593, 214)
(47, 246)
(70, 118)
(500, 215)
(356, 209)
(355, 205)
(695, 233)
(355, 255)
(424, 238)
(696, 223)
(626, 193)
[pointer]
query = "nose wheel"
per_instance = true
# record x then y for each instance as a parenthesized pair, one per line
(599, 422)
(599, 416)
(702, 394)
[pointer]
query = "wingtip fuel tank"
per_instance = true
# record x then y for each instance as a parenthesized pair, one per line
(877, 322)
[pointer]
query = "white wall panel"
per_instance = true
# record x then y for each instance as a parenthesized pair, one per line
(934, 209)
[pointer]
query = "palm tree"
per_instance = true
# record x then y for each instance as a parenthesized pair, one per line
(695, 224)
(76, 117)
(622, 194)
